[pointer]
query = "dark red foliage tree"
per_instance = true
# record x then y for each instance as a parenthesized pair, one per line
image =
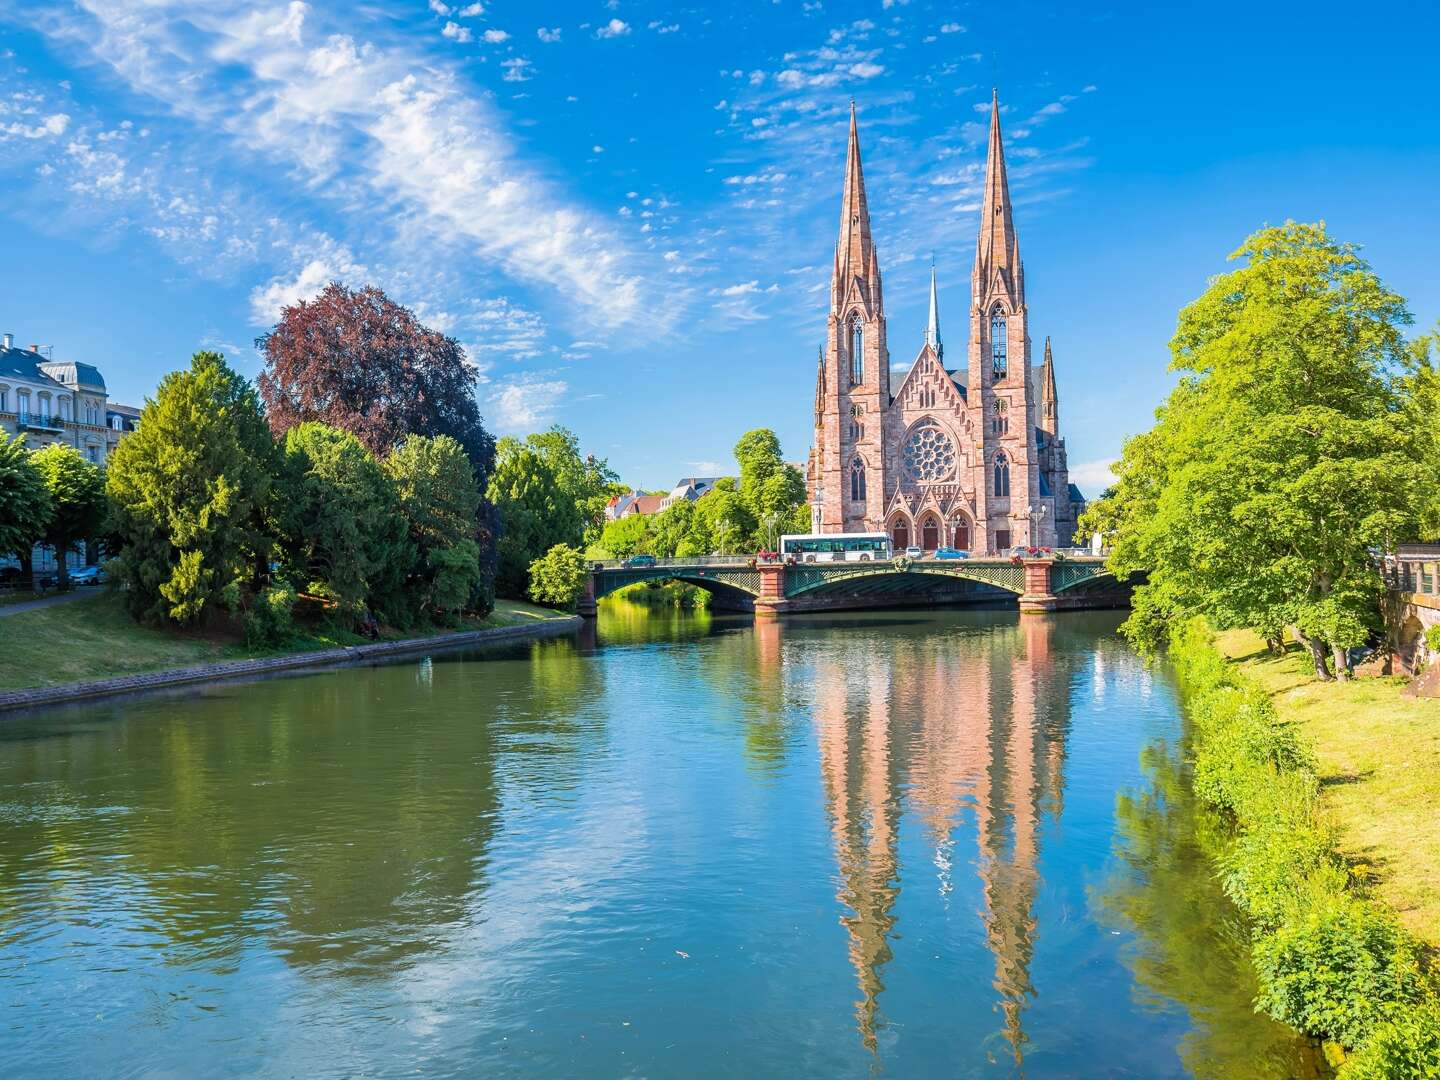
(357, 360)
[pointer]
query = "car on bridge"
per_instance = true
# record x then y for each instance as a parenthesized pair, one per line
(640, 560)
(913, 552)
(951, 553)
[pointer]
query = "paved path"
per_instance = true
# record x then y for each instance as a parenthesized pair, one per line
(46, 601)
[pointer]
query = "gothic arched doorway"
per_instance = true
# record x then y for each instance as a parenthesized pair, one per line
(899, 535)
(960, 533)
(929, 532)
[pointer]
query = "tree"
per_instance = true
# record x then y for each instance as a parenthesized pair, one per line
(358, 361)
(557, 578)
(588, 481)
(627, 536)
(728, 520)
(770, 489)
(1282, 459)
(436, 489)
(190, 494)
(349, 534)
(77, 500)
(25, 508)
(535, 510)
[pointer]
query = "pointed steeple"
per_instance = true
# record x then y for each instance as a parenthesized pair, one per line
(932, 328)
(997, 251)
(855, 252)
(1049, 398)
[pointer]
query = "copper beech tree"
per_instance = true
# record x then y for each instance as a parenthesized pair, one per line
(356, 360)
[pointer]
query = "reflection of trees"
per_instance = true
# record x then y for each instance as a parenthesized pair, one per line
(968, 720)
(1166, 894)
(346, 816)
(626, 622)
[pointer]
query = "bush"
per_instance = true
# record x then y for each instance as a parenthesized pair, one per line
(558, 577)
(1335, 970)
(270, 623)
(1275, 869)
(1405, 1047)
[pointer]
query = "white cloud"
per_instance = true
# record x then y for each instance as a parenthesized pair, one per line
(46, 128)
(517, 69)
(268, 300)
(1093, 477)
(469, 11)
(548, 36)
(661, 27)
(495, 37)
(361, 122)
(439, 7)
(866, 70)
(456, 32)
(952, 28)
(613, 29)
(525, 404)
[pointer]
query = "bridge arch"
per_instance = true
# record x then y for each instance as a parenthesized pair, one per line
(737, 587)
(1001, 578)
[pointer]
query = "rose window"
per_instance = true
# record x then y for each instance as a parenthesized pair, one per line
(929, 454)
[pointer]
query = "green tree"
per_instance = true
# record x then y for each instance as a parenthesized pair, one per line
(626, 536)
(77, 500)
(435, 484)
(558, 577)
(349, 533)
(1281, 459)
(25, 508)
(771, 489)
(190, 494)
(727, 519)
(536, 512)
(588, 481)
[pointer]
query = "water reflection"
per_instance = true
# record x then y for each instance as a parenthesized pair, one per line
(955, 725)
(678, 844)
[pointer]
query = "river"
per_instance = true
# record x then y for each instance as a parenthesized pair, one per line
(889, 844)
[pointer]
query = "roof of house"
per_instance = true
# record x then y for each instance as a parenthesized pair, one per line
(1076, 495)
(24, 364)
(73, 373)
(647, 504)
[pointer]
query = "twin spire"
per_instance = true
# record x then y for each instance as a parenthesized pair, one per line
(998, 269)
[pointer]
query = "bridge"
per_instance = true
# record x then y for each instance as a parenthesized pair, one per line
(742, 583)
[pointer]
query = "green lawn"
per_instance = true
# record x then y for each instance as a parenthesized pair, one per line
(94, 638)
(1379, 757)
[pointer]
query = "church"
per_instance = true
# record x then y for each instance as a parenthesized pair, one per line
(967, 456)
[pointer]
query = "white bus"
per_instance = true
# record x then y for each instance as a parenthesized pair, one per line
(836, 547)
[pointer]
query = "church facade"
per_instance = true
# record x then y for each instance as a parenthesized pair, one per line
(967, 456)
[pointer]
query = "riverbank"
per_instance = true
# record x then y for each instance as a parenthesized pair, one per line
(1377, 755)
(1330, 959)
(92, 648)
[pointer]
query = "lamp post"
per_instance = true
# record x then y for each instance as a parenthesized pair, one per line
(1035, 516)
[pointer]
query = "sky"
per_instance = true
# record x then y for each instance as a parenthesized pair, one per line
(626, 210)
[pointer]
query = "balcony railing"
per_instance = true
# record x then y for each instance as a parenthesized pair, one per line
(29, 421)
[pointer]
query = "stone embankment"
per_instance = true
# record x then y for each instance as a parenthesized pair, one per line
(296, 662)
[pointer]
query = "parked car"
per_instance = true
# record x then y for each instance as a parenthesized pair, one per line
(913, 552)
(88, 575)
(640, 560)
(951, 553)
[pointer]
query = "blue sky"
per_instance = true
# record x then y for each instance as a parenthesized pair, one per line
(626, 210)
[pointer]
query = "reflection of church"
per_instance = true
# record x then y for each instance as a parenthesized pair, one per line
(951, 730)
(970, 457)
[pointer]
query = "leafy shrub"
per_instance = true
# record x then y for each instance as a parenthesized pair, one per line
(1273, 870)
(454, 574)
(558, 576)
(1406, 1046)
(1336, 969)
(270, 623)
(1432, 638)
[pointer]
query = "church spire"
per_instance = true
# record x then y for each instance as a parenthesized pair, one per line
(932, 328)
(1049, 398)
(855, 252)
(997, 251)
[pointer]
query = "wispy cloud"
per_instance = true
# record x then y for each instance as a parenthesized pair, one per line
(525, 403)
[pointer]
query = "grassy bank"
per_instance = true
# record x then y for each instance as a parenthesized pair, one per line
(1377, 756)
(1329, 959)
(94, 638)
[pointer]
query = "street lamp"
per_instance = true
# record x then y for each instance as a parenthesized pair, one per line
(1035, 516)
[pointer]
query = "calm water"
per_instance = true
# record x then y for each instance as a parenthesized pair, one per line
(906, 844)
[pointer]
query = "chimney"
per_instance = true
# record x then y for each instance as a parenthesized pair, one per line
(9, 340)
(35, 349)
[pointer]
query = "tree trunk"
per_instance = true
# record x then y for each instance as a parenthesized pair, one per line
(1317, 654)
(1275, 645)
(1342, 662)
(62, 567)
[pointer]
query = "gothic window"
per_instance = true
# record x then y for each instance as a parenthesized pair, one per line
(1002, 476)
(857, 480)
(997, 341)
(1000, 419)
(857, 351)
(929, 454)
(857, 429)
